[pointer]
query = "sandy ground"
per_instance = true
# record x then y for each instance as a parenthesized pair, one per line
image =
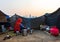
(37, 36)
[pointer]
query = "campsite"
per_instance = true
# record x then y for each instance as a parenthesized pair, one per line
(14, 25)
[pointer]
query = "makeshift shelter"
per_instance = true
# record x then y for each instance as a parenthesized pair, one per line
(28, 22)
(51, 18)
(3, 21)
(2, 17)
(36, 22)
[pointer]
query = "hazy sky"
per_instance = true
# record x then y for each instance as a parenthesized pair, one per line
(27, 7)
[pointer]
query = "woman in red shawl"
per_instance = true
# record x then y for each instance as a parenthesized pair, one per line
(17, 24)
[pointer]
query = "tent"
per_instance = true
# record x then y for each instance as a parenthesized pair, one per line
(51, 19)
(3, 21)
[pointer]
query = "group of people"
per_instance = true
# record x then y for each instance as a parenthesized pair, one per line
(53, 30)
(19, 28)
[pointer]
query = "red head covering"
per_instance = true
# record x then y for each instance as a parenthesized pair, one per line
(19, 20)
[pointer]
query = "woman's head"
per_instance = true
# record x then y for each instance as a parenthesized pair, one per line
(19, 19)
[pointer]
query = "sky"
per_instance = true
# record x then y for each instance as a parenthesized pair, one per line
(27, 7)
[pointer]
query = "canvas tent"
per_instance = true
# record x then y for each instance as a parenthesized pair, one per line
(51, 18)
(28, 22)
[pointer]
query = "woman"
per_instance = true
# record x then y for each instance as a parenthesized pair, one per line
(17, 27)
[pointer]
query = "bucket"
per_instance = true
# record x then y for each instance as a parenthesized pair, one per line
(24, 32)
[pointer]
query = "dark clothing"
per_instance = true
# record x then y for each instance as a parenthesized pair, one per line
(58, 22)
(21, 26)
